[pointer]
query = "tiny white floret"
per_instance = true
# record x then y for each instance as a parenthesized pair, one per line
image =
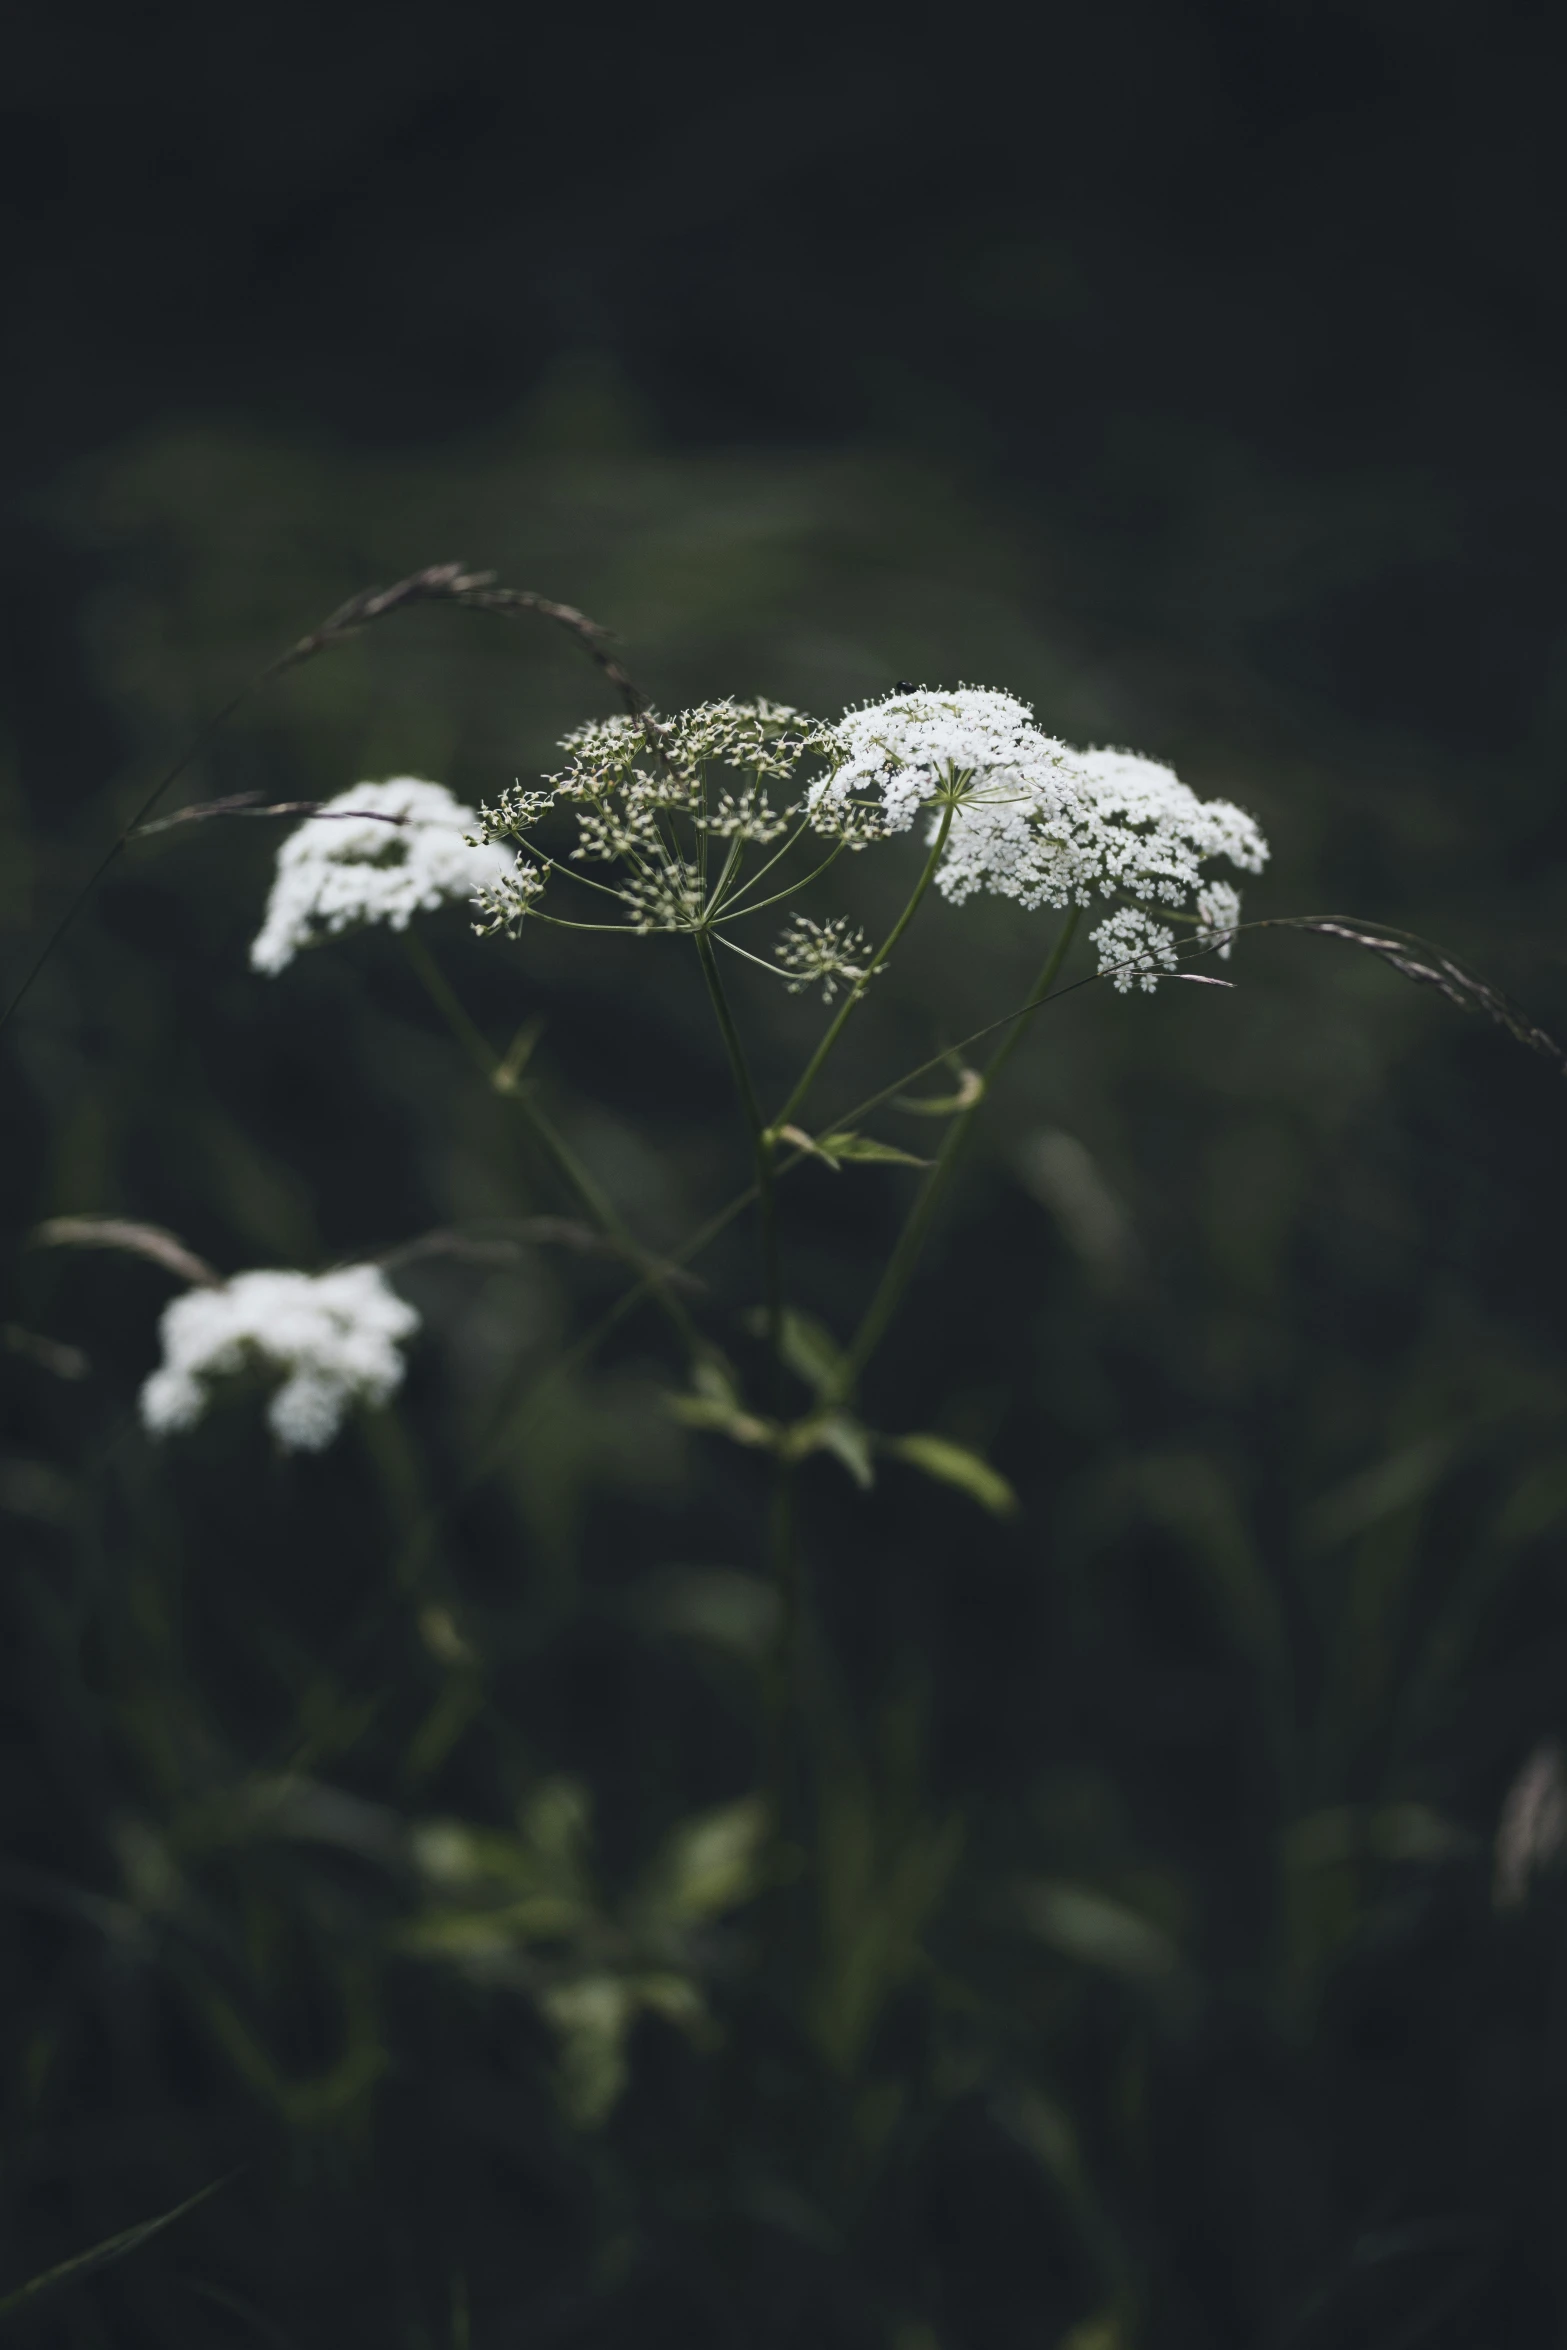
(381, 852)
(331, 1338)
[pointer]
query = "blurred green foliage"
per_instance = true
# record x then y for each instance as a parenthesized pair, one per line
(384, 1828)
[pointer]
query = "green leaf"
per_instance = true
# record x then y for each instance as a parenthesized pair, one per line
(971, 1088)
(847, 1441)
(954, 1464)
(506, 1077)
(865, 1149)
(593, 2017)
(801, 1142)
(717, 1604)
(86, 2264)
(707, 1864)
(810, 1351)
(1100, 2332)
(807, 1346)
(696, 1411)
(714, 1402)
(1089, 1926)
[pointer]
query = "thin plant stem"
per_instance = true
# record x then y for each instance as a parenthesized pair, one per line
(698, 1242)
(762, 1157)
(777, 858)
(781, 1674)
(783, 1559)
(550, 1140)
(911, 1240)
(521, 1398)
(819, 1058)
(737, 906)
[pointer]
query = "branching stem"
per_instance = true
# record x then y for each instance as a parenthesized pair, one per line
(556, 1149)
(910, 1243)
(819, 1058)
(762, 1158)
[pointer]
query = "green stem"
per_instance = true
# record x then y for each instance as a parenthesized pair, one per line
(762, 1158)
(521, 1398)
(782, 1668)
(916, 1230)
(553, 1144)
(783, 1560)
(818, 1059)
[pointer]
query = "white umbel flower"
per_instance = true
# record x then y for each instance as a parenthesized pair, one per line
(333, 1338)
(1029, 818)
(898, 754)
(1108, 824)
(342, 868)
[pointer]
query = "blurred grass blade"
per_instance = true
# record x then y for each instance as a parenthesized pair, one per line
(1101, 1932)
(866, 1150)
(86, 2264)
(135, 1239)
(954, 1464)
(262, 2327)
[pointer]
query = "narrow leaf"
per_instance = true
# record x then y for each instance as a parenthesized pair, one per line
(708, 1864)
(1087, 1925)
(506, 1076)
(849, 1443)
(971, 1087)
(701, 1411)
(86, 2264)
(810, 1351)
(716, 1404)
(954, 1464)
(865, 1149)
(804, 1142)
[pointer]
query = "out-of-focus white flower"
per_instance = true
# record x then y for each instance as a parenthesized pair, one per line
(1218, 911)
(332, 1337)
(341, 868)
(1034, 820)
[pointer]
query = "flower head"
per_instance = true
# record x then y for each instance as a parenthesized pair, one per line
(833, 953)
(381, 852)
(897, 755)
(506, 904)
(1134, 950)
(1029, 818)
(331, 1338)
(647, 796)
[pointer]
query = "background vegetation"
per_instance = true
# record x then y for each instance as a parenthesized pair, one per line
(371, 1828)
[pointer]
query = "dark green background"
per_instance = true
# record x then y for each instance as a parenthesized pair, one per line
(1196, 372)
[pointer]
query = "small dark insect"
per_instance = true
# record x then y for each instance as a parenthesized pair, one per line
(905, 685)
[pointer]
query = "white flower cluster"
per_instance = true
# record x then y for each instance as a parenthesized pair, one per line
(1034, 820)
(832, 952)
(897, 755)
(333, 1337)
(350, 864)
(504, 905)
